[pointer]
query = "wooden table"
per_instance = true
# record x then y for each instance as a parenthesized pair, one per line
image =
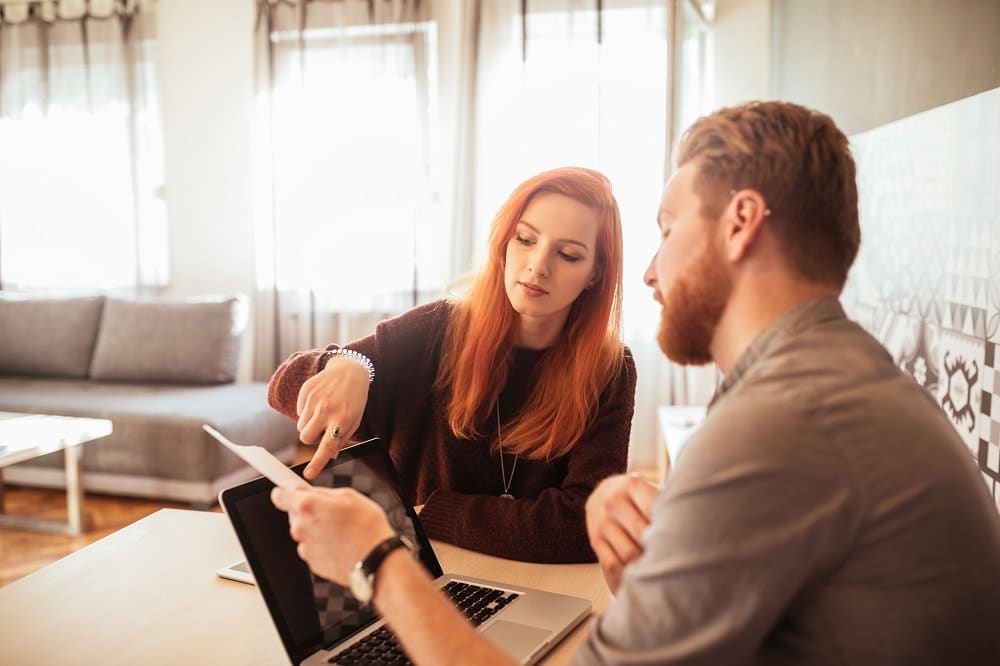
(149, 594)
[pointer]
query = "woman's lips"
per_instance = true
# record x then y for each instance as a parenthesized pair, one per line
(532, 290)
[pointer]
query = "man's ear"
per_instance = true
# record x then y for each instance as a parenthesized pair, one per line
(744, 218)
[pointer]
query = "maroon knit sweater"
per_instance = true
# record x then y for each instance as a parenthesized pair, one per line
(458, 481)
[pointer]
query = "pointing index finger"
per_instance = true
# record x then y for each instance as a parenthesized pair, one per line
(326, 451)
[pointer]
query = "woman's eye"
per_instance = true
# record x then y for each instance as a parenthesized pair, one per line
(522, 240)
(569, 257)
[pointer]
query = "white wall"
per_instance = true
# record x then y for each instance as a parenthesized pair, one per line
(206, 97)
(868, 63)
(742, 51)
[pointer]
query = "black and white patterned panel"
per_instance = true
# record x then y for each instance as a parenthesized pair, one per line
(989, 424)
(989, 427)
(960, 363)
(927, 279)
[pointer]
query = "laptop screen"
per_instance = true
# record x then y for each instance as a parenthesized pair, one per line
(309, 611)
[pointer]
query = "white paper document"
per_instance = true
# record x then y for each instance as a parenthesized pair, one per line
(261, 460)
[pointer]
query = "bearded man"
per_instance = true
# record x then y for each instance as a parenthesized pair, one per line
(826, 512)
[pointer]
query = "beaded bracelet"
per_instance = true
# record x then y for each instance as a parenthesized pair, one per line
(350, 353)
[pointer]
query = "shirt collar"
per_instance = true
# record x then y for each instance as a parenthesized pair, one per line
(788, 325)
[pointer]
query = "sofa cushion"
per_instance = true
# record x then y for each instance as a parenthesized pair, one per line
(179, 341)
(48, 336)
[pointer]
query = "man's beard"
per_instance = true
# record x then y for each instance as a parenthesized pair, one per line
(693, 307)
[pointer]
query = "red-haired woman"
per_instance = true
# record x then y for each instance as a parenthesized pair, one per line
(502, 409)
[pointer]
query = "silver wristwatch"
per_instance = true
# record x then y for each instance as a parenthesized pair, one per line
(362, 576)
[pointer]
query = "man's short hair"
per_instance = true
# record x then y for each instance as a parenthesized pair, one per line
(800, 162)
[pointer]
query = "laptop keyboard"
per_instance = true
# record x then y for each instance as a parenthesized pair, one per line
(378, 647)
(478, 603)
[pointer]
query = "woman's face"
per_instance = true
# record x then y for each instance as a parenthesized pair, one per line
(551, 258)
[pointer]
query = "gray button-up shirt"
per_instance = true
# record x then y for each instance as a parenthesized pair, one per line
(825, 513)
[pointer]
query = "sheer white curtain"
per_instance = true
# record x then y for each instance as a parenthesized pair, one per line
(81, 173)
(348, 224)
(584, 82)
(693, 97)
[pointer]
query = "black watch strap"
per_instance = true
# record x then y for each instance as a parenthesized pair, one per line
(374, 560)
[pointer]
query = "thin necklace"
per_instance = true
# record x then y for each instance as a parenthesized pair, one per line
(503, 475)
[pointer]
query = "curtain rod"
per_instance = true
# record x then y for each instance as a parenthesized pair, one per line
(18, 11)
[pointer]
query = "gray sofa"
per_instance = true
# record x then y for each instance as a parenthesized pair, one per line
(158, 371)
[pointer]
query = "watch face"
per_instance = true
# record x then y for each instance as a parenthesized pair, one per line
(361, 585)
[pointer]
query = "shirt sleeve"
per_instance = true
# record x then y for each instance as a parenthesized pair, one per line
(753, 513)
(552, 526)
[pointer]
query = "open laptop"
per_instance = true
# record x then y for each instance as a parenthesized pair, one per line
(319, 621)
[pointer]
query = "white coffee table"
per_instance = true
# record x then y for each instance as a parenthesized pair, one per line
(27, 436)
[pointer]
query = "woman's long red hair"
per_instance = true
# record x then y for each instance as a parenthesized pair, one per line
(587, 355)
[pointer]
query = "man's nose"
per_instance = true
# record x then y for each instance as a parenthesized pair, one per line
(650, 278)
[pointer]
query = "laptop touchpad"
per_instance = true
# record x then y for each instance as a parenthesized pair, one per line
(517, 640)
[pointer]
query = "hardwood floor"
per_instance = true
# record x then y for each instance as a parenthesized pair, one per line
(21, 551)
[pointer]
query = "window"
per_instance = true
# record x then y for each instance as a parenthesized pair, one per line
(695, 82)
(82, 171)
(354, 217)
(587, 88)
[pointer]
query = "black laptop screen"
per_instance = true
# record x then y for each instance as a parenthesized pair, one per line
(309, 611)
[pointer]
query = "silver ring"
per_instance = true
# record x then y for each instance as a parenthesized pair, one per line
(335, 433)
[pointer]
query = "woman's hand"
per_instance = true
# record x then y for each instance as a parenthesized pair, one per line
(334, 527)
(330, 406)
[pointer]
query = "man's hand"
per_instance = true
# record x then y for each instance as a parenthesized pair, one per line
(330, 406)
(618, 512)
(334, 527)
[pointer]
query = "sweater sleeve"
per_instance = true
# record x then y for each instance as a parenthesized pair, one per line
(284, 385)
(399, 347)
(551, 527)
